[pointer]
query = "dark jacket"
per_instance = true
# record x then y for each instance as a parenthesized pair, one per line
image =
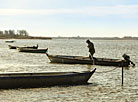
(91, 47)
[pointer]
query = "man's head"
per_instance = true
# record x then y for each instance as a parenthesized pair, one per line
(87, 41)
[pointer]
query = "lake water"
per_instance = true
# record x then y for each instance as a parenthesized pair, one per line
(106, 82)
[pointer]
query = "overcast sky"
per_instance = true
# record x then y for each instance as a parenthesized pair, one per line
(85, 18)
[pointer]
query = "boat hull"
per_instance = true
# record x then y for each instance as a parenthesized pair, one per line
(28, 50)
(10, 41)
(87, 60)
(12, 47)
(32, 80)
(16, 47)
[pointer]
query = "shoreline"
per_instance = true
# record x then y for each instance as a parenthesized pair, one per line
(30, 37)
(92, 38)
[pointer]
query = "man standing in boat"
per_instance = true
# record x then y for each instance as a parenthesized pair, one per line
(91, 49)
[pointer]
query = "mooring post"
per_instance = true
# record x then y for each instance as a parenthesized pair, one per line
(122, 74)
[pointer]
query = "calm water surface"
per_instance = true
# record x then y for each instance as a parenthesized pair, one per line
(105, 87)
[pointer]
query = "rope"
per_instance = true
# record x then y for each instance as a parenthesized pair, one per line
(107, 71)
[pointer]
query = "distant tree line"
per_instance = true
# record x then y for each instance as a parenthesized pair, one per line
(14, 34)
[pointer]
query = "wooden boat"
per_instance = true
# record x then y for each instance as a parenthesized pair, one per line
(10, 41)
(31, 47)
(86, 60)
(44, 79)
(12, 47)
(32, 50)
(15, 47)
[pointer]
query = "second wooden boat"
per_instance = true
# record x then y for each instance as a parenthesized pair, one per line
(44, 79)
(9, 41)
(15, 47)
(32, 50)
(86, 60)
(12, 47)
(31, 47)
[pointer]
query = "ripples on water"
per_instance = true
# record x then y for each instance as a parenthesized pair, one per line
(105, 87)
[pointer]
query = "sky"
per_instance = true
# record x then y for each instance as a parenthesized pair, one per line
(71, 18)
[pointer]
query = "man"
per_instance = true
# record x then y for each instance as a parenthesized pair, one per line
(91, 48)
